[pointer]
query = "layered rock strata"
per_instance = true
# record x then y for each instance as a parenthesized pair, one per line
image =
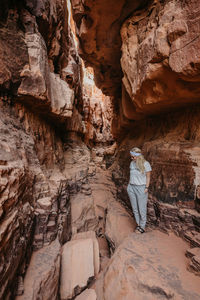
(29, 206)
(17, 214)
(194, 255)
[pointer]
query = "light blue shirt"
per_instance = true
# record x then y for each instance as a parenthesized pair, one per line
(136, 177)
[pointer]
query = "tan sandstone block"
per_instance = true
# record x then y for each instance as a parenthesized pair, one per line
(92, 235)
(77, 266)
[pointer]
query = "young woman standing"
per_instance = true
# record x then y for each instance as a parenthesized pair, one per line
(137, 189)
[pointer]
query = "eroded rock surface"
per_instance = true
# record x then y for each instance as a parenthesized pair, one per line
(159, 58)
(16, 207)
(98, 111)
(100, 39)
(42, 277)
(90, 235)
(148, 266)
(41, 113)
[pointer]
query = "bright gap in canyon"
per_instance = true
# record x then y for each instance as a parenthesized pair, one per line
(82, 82)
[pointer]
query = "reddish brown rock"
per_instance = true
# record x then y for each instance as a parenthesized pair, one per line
(100, 40)
(16, 208)
(13, 45)
(148, 266)
(195, 264)
(39, 83)
(159, 58)
(192, 252)
(48, 173)
(42, 275)
(193, 237)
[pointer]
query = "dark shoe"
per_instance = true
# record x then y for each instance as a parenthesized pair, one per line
(142, 230)
(137, 229)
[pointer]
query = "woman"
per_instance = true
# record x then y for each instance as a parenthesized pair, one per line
(137, 189)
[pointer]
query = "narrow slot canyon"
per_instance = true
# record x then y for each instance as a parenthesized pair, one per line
(82, 82)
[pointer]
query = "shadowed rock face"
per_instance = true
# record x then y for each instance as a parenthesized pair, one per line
(98, 28)
(158, 49)
(28, 205)
(43, 273)
(13, 44)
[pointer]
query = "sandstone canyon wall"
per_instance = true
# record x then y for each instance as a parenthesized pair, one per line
(82, 82)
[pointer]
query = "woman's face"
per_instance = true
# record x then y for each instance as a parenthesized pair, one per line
(133, 157)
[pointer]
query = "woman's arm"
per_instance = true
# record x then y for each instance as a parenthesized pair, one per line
(148, 176)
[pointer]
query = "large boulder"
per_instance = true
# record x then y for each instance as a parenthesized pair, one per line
(77, 267)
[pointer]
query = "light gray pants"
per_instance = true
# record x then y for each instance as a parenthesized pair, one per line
(138, 199)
